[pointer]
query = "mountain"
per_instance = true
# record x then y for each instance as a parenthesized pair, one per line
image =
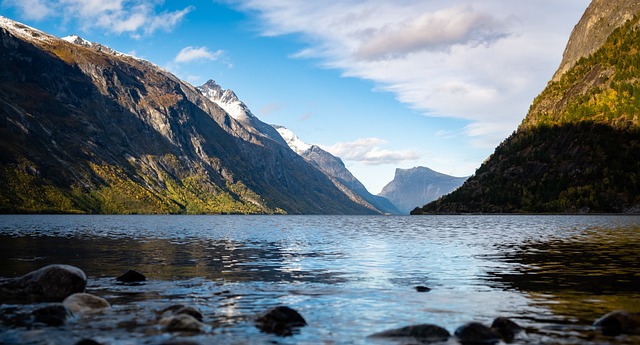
(228, 101)
(578, 148)
(86, 129)
(335, 169)
(416, 186)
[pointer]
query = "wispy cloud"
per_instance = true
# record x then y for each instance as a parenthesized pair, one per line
(482, 62)
(370, 152)
(136, 17)
(432, 31)
(189, 54)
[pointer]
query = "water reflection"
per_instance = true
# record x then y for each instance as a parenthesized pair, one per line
(166, 259)
(579, 277)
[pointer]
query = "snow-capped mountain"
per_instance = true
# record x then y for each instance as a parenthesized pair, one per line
(228, 101)
(86, 129)
(292, 140)
(335, 169)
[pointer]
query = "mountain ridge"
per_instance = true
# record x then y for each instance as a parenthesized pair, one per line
(336, 170)
(85, 129)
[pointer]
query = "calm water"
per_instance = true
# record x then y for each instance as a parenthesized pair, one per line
(348, 276)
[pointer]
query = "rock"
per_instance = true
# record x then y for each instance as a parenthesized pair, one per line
(51, 315)
(84, 302)
(182, 309)
(51, 283)
(619, 322)
(476, 333)
(422, 289)
(182, 323)
(131, 276)
(424, 332)
(280, 320)
(506, 328)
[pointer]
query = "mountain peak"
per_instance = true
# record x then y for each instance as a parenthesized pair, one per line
(75, 39)
(589, 34)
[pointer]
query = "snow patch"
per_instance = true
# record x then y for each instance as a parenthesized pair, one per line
(292, 140)
(75, 39)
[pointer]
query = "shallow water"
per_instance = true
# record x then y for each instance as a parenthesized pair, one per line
(348, 276)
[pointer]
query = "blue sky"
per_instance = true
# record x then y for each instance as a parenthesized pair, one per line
(382, 84)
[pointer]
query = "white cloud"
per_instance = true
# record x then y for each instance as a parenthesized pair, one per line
(30, 9)
(483, 62)
(432, 31)
(368, 151)
(189, 54)
(135, 17)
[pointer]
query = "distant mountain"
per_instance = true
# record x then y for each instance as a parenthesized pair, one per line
(578, 148)
(86, 129)
(416, 186)
(335, 169)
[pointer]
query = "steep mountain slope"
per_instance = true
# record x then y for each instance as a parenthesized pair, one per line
(578, 149)
(335, 169)
(416, 186)
(87, 129)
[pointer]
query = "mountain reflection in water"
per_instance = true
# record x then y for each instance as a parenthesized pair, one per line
(348, 276)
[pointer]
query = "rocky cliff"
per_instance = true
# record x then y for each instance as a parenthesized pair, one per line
(417, 186)
(86, 129)
(578, 148)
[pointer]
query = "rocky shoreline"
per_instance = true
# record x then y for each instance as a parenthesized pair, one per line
(58, 291)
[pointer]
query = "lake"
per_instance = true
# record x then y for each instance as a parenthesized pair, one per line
(348, 276)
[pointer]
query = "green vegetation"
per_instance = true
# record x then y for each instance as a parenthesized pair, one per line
(578, 149)
(125, 192)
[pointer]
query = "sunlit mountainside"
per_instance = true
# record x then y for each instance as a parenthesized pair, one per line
(578, 149)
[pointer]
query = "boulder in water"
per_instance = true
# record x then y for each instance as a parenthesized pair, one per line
(51, 315)
(84, 302)
(131, 276)
(506, 328)
(423, 333)
(619, 322)
(281, 321)
(51, 283)
(476, 333)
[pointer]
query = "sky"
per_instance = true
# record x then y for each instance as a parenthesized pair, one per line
(382, 84)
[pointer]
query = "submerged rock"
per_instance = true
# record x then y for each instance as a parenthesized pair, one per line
(51, 283)
(477, 333)
(424, 332)
(506, 328)
(84, 302)
(281, 321)
(182, 323)
(619, 322)
(178, 309)
(132, 276)
(51, 315)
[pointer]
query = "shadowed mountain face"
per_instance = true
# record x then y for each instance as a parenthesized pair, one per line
(578, 149)
(86, 129)
(413, 187)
